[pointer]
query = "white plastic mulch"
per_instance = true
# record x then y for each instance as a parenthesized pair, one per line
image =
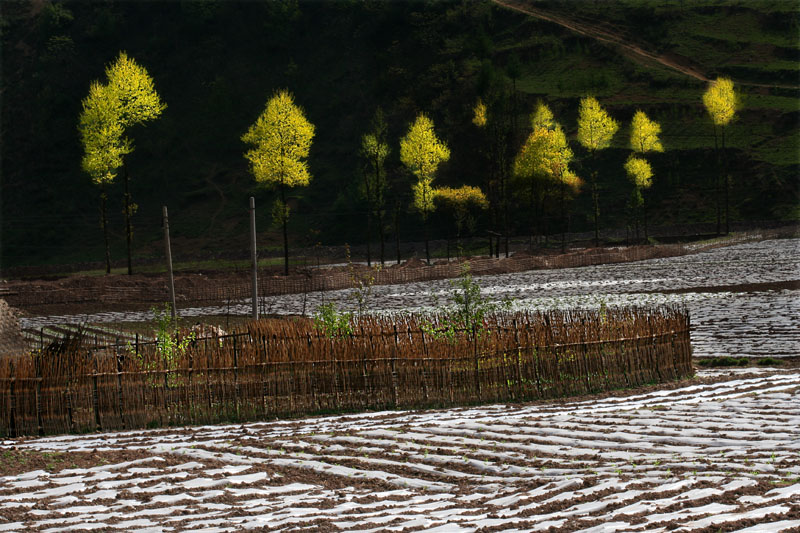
(724, 455)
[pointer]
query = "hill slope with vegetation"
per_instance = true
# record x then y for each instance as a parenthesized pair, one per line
(215, 64)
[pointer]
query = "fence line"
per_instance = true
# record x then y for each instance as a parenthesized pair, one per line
(273, 370)
(239, 287)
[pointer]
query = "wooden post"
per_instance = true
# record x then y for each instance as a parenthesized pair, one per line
(168, 252)
(38, 389)
(424, 359)
(12, 425)
(518, 358)
(477, 362)
(394, 368)
(254, 256)
(96, 397)
(264, 375)
(120, 403)
(235, 378)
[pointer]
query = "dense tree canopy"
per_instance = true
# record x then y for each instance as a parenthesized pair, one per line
(281, 139)
(721, 101)
(645, 134)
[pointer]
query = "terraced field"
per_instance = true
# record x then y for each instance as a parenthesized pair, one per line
(719, 454)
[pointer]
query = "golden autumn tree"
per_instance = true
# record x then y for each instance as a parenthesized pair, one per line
(281, 139)
(596, 128)
(104, 146)
(374, 151)
(542, 117)
(460, 201)
(479, 114)
(422, 152)
(644, 138)
(641, 176)
(139, 103)
(721, 102)
(127, 99)
(546, 153)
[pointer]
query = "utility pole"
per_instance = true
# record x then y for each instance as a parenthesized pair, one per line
(169, 262)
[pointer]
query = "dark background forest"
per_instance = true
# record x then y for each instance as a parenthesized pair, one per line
(216, 63)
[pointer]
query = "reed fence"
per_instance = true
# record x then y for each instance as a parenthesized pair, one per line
(287, 368)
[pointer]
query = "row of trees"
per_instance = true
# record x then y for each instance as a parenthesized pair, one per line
(281, 137)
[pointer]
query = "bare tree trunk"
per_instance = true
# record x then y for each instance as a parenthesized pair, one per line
(397, 230)
(285, 219)
(369, 236)
(104, 223)
(563, 216)
(727, 184)
(128, 228)
(717, 180)
(382, 235)
(644, 211)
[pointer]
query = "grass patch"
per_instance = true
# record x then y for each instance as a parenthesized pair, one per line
(769, 361)
(715, 362)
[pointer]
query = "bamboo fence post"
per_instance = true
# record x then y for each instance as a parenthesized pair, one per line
(518, 359)
(120, 403)
(263, 375)
(506, 378)
(12, 424)
(584, 350)
(424, 360)
(336, 382)
(477, 361)
(190, 392)
(394, 368)
(96, 397)
(70, 419)
(313, 384)
(367, 383)
(235, 379)
(38, 392)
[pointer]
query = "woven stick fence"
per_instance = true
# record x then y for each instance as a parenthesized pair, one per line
(287, 368)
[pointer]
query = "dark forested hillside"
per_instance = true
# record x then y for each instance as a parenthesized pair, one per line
(216, 63)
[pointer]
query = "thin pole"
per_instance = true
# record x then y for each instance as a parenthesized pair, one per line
(169, 262)
(254, 255)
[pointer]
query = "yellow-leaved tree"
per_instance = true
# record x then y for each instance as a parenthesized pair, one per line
(546, 155)
(641, 176)
(721, 102)
(422, 153)
(542, 117)
(644, 138)
(460, 201)
(281, 139)
(375, 150)
(596, 128)
(479, 114)
(127, 99)
(103, 146)
(139, 103)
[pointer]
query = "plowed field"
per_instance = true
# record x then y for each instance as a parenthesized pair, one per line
(717, 454)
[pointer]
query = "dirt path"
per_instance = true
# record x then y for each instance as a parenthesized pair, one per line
(607, 36)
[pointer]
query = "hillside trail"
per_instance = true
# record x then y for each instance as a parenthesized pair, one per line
(610, 36)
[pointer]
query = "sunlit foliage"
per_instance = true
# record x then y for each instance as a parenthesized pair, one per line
(281, 139)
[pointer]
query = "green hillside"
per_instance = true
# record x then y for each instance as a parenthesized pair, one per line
(215, 64)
